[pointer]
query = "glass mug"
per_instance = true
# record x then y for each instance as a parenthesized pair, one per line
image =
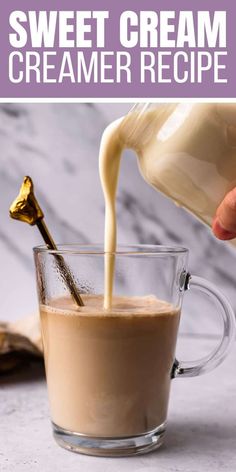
(109, 372)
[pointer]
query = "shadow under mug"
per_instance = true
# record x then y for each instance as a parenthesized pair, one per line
(109, 373)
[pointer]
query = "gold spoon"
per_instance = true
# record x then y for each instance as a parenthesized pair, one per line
(26, 208)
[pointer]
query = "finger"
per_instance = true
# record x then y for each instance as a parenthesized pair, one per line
(220, 232)
(226, 213)
(224, 224)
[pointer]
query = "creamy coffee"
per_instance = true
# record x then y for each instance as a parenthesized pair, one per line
(109, 371)
(187, 151)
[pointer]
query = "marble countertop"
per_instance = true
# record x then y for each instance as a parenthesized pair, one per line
(201, 431)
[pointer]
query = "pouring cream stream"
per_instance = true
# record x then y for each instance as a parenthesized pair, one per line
(187, 151)
(109, 166)
(119, 134)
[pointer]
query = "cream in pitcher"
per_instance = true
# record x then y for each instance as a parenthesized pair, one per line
(187, 151)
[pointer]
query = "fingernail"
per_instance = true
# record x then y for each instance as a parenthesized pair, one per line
(220, 232)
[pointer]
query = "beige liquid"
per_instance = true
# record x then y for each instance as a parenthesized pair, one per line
(186, 151)
(109, 371)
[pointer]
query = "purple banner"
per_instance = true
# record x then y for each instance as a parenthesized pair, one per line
(126, 49)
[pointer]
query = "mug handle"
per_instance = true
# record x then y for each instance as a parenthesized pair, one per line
(212, 360)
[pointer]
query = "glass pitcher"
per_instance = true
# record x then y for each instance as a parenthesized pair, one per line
(187, 151)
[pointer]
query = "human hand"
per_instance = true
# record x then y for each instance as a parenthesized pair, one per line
(224, 223)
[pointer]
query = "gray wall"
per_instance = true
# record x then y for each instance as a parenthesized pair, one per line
(57, 144)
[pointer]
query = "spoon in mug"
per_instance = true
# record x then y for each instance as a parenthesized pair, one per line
(26, 208)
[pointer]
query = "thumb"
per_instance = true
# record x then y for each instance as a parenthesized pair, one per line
(224, 223)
